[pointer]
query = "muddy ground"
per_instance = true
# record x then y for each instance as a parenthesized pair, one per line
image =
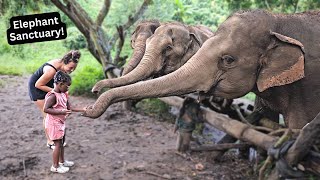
(118, 145)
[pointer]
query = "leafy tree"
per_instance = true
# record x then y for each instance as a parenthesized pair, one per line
(99, 42)
(284, 6)
(19, 8)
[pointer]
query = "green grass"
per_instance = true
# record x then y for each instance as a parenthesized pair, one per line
(24, 59)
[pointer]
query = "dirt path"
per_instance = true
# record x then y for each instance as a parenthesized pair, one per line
(125, 146)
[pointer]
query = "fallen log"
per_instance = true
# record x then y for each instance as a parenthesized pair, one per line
(300, 150)
(232, 127)
(177, 102)
(220, 147)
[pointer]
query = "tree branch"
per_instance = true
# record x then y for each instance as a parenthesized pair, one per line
(103, 12)
(72, 13)
(81, 13)
(132, 20)
(117, 59)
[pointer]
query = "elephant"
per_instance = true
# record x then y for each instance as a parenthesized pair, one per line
(275, 56)
(188, 39)
(139, 37)
(171, 45)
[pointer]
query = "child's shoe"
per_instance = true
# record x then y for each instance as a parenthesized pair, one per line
(66, 163)
(60, 169)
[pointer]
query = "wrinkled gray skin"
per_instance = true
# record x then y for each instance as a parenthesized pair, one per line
(143, 31)
(171, 46)
(275, 56)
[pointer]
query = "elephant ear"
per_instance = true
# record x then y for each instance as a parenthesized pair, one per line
(283, 62)
(133, 37)
(191, 48)
(198, 35)
(196, 40)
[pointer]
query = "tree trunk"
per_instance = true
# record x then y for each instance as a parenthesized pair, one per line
(98, 45)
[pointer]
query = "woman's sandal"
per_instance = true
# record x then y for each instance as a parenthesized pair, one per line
(50, 146)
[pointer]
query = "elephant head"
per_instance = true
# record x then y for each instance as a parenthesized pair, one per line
(171, 45)
(138, 42)
(251, 51)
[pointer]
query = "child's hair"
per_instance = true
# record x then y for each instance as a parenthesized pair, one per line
(71, 56)
(61, 77)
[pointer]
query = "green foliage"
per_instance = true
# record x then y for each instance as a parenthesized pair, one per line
(208, 13)
(251, 96)
(84, 78)
(26, 58)
(156, 108)
(162, 10)
(75, 39)
(180, 11)
(86, 75)
(19, 8)
(287, 6)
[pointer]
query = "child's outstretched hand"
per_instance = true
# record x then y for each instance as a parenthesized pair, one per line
(66, 111)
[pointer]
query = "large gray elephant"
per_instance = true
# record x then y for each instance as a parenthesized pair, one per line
(275, 56)
(171, 45)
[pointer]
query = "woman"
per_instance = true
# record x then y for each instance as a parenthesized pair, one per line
(41, 81)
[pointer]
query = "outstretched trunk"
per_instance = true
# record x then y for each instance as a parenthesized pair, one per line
(141, 72)
(138, 53)
(159, 87)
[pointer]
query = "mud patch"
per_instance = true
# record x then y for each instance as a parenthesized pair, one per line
(17, 165)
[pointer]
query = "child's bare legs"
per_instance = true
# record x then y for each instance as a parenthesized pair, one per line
(40, 105)
(61, 157)
(58, 153)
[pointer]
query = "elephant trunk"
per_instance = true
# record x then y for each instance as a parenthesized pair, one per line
(144, 70)
(181, 81)
(140, 47)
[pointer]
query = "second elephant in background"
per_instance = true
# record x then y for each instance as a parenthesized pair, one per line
(170, 46)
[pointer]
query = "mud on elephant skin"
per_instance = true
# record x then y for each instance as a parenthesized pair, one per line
(171, 46)
(275, 56)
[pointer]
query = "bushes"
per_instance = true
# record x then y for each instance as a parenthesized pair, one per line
(75, 39)
(156, 108)
(83, 80)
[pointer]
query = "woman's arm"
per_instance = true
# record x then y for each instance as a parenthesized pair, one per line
(48, 74)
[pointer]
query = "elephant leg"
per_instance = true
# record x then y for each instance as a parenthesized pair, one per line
(130, 104)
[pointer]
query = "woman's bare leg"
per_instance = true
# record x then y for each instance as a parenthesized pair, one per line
(40, 105)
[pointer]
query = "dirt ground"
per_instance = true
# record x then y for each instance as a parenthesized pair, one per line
(118, 145)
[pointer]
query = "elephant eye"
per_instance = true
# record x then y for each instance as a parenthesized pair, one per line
(227, 59)
(169, 48)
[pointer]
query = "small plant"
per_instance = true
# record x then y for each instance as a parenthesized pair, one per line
(2, 83)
